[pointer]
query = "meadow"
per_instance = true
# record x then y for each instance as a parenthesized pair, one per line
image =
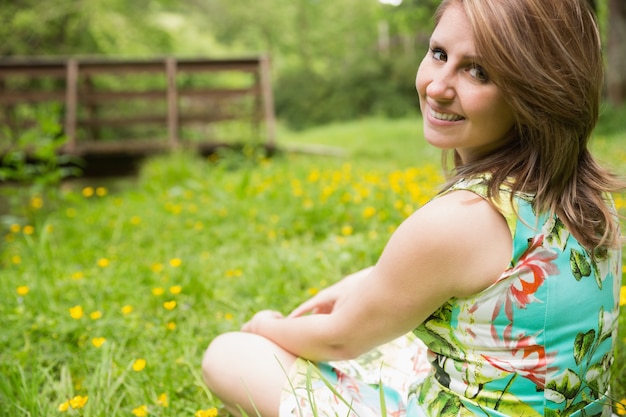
(112, 289)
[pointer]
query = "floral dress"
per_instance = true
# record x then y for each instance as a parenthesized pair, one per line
(539, 341)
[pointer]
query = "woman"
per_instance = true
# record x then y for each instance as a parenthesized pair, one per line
(510, 276)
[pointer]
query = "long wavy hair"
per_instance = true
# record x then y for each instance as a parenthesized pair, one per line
(546, 57)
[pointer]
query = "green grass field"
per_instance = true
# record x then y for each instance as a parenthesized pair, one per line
(111, 290)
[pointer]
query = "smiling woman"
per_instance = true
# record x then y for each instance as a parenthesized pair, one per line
(485, 272)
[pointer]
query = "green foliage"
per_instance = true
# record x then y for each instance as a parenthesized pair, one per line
(89, 285)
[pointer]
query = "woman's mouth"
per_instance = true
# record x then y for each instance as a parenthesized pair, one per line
(447, 117)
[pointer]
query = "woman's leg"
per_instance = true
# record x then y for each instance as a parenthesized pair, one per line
(248, 371)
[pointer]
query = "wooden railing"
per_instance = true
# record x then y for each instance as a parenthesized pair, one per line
(140, 106)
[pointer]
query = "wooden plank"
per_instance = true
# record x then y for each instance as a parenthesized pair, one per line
(71, 104)
(109, 96)
(121, 121)
(172, 103)
(268, 100)
(15, 97)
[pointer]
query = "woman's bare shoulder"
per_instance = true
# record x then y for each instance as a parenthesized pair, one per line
(465, 235)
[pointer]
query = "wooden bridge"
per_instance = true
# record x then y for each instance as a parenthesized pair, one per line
(114, 109)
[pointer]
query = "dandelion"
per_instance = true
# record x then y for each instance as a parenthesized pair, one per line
(101, 191)
(175, 289)
(127, 309)
(141, 411)
(211, 412)
(22, 290)
(139, 365)
(347, 230)
(622, 296)
(162, 400)
(135, 220)
(157, 291)
(369, 212)
(234, 273)
(156, 267)
(175, 262)
(76, 312)
(64, 406)
(98, 341)
(88, 192)
(36, 202)
(28, 230)
(103, 262)
(15, 228)
(16, 259)
(78, 275)
(78, 402)
(169, 305)
(95, 315)
(171, 326)
(313, 291)
(228, 316)
(621, 407)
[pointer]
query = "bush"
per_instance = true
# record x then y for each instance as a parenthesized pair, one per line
(376, 87)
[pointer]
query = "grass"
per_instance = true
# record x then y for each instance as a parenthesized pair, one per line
(112, 289)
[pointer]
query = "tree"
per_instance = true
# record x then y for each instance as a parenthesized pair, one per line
(616, 53)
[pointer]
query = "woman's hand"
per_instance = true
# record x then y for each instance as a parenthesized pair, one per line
(324, 302)
(254, 324)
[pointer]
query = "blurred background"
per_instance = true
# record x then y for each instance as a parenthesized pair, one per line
(331, 60)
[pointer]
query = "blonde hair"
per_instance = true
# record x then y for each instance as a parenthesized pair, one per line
(546, 58)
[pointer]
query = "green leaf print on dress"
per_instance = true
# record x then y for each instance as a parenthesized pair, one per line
(579, 264)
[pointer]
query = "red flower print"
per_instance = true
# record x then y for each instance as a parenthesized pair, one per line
(534, 266)
(526, 359)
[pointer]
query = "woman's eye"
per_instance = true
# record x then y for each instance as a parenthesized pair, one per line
(478, 73)
(438, 54)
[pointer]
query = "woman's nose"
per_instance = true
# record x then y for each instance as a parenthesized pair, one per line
(441, 87)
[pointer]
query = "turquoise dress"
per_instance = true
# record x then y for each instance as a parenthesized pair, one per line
(537, 342)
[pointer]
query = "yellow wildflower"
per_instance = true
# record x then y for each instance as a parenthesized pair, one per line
(228, 316)
(210, 412)
(22, 290)
(103, 262)
(78, 275)
(141, 411)
(313, 291)
(16, 259)
(28, 230)
(64, 406)
(78, 402)
(622, 296)
(347, 230)
(620, 407)
(157, 267)
(88, 192)
(98, 341)
(369, 212)
(15, 228)
(175, 262)
(127, 309)
(163, 400)
(36, 202)
(169, 305)
(175, 289)
(76, 312)
(135, 220)
(139, 365)
(171, 326)
(95, 315)
(101, 191)
(158, 291)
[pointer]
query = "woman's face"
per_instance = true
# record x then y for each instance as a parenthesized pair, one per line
(461, 107)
